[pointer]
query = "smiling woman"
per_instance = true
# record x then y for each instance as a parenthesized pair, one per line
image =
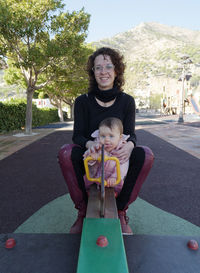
(104, 99)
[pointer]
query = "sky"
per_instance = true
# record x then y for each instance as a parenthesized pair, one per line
(110, 17)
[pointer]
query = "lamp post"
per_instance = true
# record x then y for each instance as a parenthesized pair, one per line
(181, 103)
(186, 60)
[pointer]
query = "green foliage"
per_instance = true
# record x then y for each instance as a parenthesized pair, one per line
(71, 79)
(13, 75)
(136, 74)
(168, 54)
(193, 52)
(34, 39)
(195, 80)
(175, 53)
(44, 116)
(12, 115)
(155, 101)
(38, 38)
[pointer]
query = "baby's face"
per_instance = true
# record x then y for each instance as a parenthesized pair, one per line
(109, 137)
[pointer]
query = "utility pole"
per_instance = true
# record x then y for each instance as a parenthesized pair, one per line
(186, 60)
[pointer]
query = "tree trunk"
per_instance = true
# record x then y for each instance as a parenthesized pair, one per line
(28, 126)
(60, 112)
(72, 111)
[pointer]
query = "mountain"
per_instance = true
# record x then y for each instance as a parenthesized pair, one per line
(154, 54)
(151, 38)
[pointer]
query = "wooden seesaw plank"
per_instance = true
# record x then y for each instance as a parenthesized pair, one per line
(93, 207)
(110, 204)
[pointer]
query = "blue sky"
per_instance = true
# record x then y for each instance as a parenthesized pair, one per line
(109, 17)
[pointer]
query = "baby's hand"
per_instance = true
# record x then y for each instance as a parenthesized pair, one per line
(111, 182)
(95, 148)
(94, 156)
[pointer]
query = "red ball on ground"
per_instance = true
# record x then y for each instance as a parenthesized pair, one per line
(102, 241)
(192, 244)
(10, 243)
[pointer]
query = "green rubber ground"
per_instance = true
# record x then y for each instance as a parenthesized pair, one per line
(58, 216)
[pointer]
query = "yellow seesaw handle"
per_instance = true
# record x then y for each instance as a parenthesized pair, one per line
(99, 178)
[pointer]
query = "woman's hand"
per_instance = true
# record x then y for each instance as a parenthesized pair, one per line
(124, 152)
(89, 144)
(92, 147)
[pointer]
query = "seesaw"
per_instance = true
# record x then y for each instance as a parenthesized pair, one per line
(102, 247)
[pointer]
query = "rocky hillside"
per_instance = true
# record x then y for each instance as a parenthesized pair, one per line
(152, 36)
(153, 53)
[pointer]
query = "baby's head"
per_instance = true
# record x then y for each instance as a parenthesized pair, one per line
(110, 133)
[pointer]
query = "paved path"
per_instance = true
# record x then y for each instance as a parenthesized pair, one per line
(184, 136)
(13, 142)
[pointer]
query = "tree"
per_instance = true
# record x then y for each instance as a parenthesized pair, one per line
(37, 38)
(71, 81)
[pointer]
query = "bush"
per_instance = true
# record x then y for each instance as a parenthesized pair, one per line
(13, 113)
(44, 116)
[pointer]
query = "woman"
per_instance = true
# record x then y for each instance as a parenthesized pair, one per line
(104, 99)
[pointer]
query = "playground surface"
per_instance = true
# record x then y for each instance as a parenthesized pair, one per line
(36, 208)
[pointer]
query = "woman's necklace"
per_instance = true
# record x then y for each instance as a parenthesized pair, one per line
(105, 104)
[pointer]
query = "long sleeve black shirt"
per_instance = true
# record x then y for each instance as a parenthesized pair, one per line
(88, 114)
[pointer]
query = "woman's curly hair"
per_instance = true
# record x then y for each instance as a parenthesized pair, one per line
(118, 62)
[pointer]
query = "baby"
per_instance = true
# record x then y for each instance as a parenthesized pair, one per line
(110, 134)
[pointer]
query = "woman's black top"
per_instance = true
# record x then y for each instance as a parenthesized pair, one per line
(88, 114)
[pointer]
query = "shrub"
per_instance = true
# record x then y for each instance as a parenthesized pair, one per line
(13, 113)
